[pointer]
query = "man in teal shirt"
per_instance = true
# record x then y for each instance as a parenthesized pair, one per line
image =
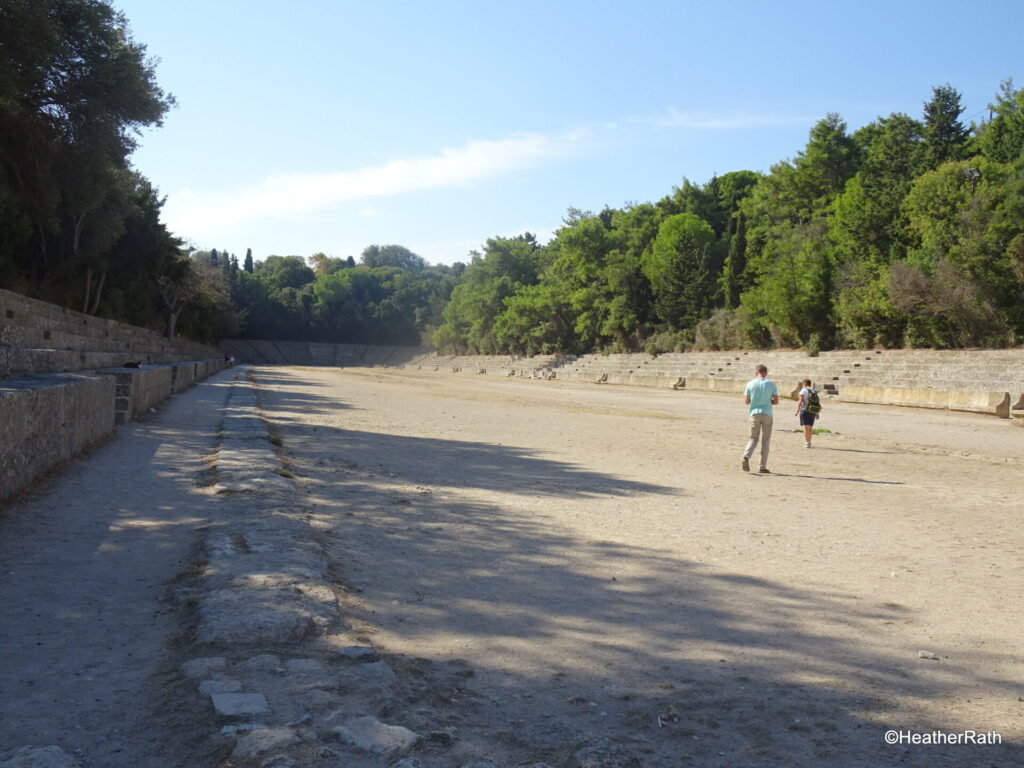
(760, 395)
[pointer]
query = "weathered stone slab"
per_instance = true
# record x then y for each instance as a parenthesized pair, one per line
(359, 653)
(994, 403)
(247, 482)
(261, 616)
(371, 735)
(210, 687)
(239, 704)
(256, 743)
(197, 668)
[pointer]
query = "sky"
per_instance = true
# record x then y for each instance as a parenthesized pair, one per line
(327, 125)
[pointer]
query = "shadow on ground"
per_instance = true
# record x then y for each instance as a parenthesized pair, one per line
(741, 671)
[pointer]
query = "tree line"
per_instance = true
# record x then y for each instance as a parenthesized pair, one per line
(908, 231)
(78, 225)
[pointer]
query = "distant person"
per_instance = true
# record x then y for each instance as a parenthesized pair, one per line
(808, 408)
(760, 395)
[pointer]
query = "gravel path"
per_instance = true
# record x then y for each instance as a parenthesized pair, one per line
(87, 562)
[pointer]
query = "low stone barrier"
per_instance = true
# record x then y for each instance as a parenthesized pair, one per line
(139, 389)
(994, 403)
(712, 384)
(49, 419)
(185, 375)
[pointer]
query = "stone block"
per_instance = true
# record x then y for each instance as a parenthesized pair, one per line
(994, 403)
(239, 704)
(49, 420)
(371, 735)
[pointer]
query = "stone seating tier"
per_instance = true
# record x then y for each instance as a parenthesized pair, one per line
(37, 337)
(268, 351)
(322, 354)
(294, 353)
(975, 379)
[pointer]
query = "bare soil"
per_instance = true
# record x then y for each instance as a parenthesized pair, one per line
(598, 558)
(546, 563)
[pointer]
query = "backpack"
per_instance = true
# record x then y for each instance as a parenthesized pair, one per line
(813, 404)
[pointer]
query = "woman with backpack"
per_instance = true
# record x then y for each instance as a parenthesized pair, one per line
(808, 408)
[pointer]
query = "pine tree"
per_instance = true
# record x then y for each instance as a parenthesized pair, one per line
(945, 137)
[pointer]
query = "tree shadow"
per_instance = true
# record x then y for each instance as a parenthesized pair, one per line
(591, 637)
(480, 465)
(839, 479)
(854, 450)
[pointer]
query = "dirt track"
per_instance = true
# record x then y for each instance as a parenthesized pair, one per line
(596, 554)
(593, 555)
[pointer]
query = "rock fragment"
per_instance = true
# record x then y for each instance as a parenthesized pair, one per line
(239, 704)
(261, 742)
(370, 734)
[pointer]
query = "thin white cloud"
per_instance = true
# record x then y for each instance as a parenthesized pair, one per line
(300, 196)
(673, 118)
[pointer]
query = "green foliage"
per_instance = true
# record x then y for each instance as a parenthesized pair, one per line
(506, 266)
(945, 137)
(75, 88)
(725, 329)
(1001, 139)
(391, 256)
(679, 270)
(907, 232)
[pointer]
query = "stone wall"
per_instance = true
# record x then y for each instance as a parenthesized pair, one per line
(37, 337)
(319, 354)
(48, 420)
(63, 384)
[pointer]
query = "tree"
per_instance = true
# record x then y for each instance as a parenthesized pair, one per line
(1002, 138)
(506, 266)
(75, 88)
(280, 272)
(945, 137)
(247, 265)
(323, 264)
(677, 267)
(391, 256)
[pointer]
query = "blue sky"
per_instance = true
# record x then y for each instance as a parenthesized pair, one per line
(329, 126)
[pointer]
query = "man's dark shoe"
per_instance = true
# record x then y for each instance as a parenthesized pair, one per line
(746, 465)
(764, 471)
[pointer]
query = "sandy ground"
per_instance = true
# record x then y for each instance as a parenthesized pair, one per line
(590, 560)
(596, 555)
